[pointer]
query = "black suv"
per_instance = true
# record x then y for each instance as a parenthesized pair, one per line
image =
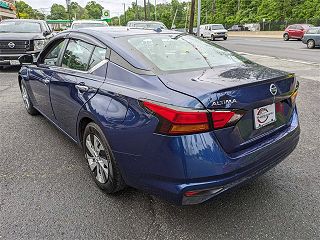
(21, 36)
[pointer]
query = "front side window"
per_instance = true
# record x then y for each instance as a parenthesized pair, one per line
(77, 55)
(52, 56)
(20, 27)
(175, 52)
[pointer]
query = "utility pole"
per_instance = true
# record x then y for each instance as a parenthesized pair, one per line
(186, 22)
(145, 10)
(149, 11)
(238, 5)
(124, 12)
(193, 6)
(155, 10)
(199, 18)
(174, 19)
(69, 9)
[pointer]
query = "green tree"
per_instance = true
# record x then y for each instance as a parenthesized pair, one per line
(94, 10)
(58, 11)
(25, 11)
(78, 12)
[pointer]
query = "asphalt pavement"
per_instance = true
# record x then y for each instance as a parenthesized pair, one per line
(293, 49)
(46, 191)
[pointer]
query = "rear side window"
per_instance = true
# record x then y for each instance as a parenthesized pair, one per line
(98, 55)
(292, 27)
(77, 55)
(313, 31)
(52, 56)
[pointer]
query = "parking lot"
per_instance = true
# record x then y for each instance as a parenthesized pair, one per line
(46, 191)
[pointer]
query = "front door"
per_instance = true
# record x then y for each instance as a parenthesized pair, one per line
(40, 78)
(82, 72)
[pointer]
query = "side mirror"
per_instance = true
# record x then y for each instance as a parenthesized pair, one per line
(46, 33)
(26, 59)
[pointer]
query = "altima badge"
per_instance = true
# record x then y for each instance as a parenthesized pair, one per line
(273, 89)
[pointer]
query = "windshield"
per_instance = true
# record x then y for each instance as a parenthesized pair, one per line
(181, 52)
(88, 25)
(149, 25)
(217, 27)
(20, 27)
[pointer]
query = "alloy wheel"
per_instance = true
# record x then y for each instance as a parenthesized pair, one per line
(97, 158)
(311, 44)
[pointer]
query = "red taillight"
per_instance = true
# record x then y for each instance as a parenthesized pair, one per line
(221, 118)
(179, 121)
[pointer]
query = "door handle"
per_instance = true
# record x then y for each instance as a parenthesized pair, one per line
(82, 88)
(46, 81)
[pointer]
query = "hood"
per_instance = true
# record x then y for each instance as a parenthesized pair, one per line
(21, 36)
(206, 85)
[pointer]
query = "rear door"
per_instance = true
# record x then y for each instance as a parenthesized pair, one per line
(299, 31)
(82, 72)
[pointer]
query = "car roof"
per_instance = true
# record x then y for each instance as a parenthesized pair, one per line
(87, 21)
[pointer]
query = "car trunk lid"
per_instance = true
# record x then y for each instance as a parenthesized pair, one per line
(243, 87)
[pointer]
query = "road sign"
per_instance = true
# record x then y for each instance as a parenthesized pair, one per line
(105, 14)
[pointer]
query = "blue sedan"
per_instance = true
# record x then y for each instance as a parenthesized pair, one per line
(168, 113)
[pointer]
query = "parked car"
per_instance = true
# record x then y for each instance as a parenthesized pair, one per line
(312, 37)
(213, 31)
(88, 23)
(18, 37)
(146, 24)
(164, 112)
(238, 28)
(295, 31)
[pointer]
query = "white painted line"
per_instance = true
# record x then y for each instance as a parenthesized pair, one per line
(283, 59)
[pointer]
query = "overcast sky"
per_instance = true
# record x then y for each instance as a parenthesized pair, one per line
(115, 6)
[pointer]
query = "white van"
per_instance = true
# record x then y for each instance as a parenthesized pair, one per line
(213, 31)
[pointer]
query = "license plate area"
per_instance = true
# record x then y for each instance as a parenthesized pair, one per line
(14, 62)
(264, 116)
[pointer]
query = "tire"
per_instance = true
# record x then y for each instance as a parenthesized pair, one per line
(212, 38)
(26, 100)
(286, 37)
(311, 44)
(202, 36)
(101, 162)
(225, 38)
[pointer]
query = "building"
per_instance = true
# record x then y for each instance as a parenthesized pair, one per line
(7, 9)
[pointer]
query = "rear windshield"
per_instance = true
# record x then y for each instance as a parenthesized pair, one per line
(20, 27)
(176, 52)
(87, 25)
(149, 25)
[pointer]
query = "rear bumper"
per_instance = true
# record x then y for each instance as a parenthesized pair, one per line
(216, 172)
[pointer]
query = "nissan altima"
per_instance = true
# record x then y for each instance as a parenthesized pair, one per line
(165, 112)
